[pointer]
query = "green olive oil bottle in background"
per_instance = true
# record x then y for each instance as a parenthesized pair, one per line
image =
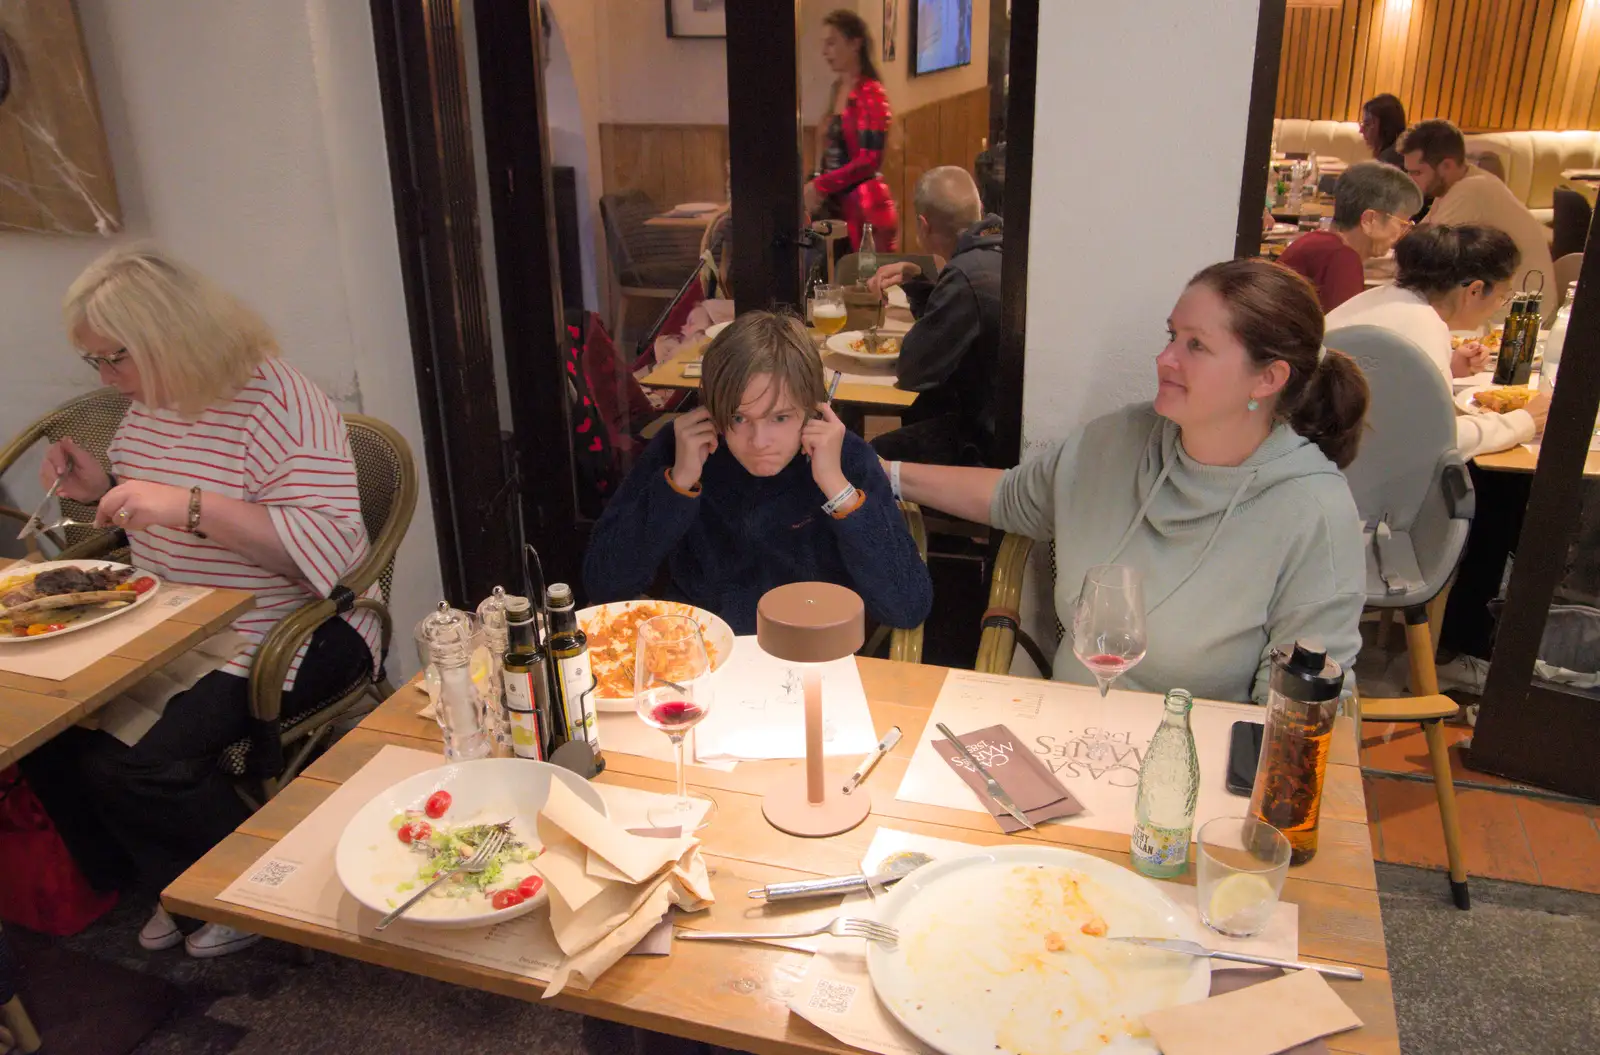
(572, 674)
(1169, 785)
(525, 675)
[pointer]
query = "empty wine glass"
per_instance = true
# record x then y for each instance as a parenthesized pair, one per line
(1108, 631)
(672, 692)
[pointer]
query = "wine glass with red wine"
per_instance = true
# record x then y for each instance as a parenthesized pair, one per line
(1108, 631)
(672, 692)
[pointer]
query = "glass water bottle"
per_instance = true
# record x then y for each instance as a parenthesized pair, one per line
(1301, 708)
(1169, 784)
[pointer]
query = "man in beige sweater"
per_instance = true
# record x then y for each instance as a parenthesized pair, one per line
(1436, 159)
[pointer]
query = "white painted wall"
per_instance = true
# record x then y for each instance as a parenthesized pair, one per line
(248, 138)
(1138, 146)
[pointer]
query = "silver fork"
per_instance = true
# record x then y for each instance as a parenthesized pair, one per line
(841, 927)
(472, 866)
(35, 528)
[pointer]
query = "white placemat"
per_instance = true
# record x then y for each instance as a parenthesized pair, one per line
(296, 877)
(65, 656)
(884, 380)
(1094, 746)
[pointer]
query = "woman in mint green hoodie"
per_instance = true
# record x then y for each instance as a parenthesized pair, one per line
(1225, 493)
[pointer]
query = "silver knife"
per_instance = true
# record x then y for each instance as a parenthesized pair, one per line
(996, 792)
(1193, 948)
(36, 521)
(824, 887)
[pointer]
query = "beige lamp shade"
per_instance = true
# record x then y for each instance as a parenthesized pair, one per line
(810, 622)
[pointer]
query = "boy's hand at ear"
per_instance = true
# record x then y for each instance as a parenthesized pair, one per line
(695, 435)
(823, 441)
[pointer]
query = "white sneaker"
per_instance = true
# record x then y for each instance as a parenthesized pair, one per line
(161, 932)
(214, 939)
(1466, 673)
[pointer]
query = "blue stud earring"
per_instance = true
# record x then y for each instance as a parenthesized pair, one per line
(1252, 405)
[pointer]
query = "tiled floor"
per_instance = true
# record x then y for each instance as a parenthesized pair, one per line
(1504, 836)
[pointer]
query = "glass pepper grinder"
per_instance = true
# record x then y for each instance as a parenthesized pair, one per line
(459, 706)
(492, 618)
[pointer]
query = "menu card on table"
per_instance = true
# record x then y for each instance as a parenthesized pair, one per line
(296, 878)
(61, 657)
(1094, 746)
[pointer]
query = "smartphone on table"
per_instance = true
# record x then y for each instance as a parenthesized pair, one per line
(1244, 752)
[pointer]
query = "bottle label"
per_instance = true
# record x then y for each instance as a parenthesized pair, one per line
(577, 685)
(524, 715)
(1160, 847)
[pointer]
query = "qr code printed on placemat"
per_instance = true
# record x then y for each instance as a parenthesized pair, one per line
(274, 872)
(832, 997)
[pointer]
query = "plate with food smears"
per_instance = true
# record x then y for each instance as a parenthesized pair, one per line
(613, 630)
(43, 601)
(1006, 952)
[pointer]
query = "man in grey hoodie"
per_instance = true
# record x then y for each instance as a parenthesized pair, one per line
(1225, 493)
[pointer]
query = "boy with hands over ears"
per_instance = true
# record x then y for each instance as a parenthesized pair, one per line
(722, 499)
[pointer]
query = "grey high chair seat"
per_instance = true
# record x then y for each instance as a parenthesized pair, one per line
(1410, 478)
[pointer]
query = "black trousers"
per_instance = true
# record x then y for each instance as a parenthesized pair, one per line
(141, 815)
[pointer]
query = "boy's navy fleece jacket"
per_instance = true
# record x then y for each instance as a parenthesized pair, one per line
(742, 535)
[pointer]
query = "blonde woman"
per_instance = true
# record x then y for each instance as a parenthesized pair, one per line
(230, 469)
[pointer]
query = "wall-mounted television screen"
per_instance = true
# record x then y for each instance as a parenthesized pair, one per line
(942, 34)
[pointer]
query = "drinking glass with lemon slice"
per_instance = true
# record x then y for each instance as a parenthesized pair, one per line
(1240, 866)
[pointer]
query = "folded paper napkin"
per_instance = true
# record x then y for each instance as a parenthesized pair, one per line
(1019, 772)
(608, 888)
(1283, 1015)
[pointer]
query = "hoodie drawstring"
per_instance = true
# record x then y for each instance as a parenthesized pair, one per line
(1216, 532)
(1138, 518)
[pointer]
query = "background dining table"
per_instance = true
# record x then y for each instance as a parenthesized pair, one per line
(735, 994)
(32, 710)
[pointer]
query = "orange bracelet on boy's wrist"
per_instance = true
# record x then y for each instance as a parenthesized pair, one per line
(693, 492)
(851, 506)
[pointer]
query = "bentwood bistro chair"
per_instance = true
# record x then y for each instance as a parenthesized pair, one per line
(279, 744)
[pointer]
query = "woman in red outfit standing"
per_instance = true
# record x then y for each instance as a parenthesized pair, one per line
(853, 137)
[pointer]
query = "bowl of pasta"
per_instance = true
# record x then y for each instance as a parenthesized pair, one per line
(613, 631)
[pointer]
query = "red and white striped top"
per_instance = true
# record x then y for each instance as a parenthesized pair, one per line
(279, 442)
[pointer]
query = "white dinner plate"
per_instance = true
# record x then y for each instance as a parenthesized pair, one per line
(16, 571)
(994, 954)
(606, 657)
(696, 206)
(373, 863)
(840, 343)
(716, 328)
(1464, 401)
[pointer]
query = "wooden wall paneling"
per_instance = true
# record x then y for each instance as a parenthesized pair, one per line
(1521, 104)
(1345, 28)
(1580, 85)
(1552, 64)
(920, 153)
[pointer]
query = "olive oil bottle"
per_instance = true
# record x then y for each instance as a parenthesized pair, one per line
(572, 674)
(525, 675)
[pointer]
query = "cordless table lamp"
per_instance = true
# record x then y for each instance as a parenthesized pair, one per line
(808, 623)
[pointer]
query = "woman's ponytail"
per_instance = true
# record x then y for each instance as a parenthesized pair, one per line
(1332, 410)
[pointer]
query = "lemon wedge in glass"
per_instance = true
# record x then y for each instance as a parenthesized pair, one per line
(1241, 899)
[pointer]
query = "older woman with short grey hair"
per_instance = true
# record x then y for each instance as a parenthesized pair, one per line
(1370, 210)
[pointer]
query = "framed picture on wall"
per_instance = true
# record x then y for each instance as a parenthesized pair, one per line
(891, 28)
(697, 18)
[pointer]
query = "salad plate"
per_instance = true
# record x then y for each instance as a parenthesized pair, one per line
(426, 824)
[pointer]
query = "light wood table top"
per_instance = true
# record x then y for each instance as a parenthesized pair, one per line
(32, 710)
(882, 398)
(697, 222)
(1521, 460)
(737, 996)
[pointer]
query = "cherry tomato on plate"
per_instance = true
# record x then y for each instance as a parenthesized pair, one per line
(437, 804)
(504, 899)
(143, 584)
(530, 886)
(416, 831)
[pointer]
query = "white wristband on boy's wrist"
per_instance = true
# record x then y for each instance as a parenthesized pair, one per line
(894, 481)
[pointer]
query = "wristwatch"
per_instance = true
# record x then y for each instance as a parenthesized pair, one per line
(193, 526)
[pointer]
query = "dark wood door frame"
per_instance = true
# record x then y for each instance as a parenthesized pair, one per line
(1270, 18)
(421, 75)
(1535, 731)
(1011, 358)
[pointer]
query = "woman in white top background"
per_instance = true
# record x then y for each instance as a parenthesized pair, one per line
(1451, 278)
(230, 469)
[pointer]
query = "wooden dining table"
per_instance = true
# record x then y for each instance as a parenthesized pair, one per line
(1520, 459)
(735, 994)
(1585, 181)
(875, 398)
(33, 709)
